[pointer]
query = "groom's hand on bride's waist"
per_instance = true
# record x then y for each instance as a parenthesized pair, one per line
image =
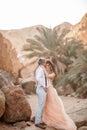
(45, 89)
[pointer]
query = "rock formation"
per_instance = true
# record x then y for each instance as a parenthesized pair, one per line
(13, 103)
(62, 30)
(17, 106)
(8, 56)
(79, 31)
(2, 103)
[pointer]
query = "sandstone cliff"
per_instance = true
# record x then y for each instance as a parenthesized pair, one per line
(62, 30)
(8, 56)
(79, 31)
(18, 37)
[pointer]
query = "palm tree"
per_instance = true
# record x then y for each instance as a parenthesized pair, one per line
(77, 75)
(45, 44)
(73, 47)
(70, 49)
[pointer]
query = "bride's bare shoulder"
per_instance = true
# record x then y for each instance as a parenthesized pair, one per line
(51, 75)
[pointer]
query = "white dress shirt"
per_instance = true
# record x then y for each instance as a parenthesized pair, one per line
(40, 77)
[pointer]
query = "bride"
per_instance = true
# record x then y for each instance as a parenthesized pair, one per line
(54, 114)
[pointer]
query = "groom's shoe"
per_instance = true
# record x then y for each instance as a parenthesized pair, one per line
(40, 126)
(42, 123)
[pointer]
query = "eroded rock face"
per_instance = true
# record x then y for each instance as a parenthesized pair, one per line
(79, 31)
(8, 56)
(17, 106)
(5, 79)
(2, 103)
(62, 30)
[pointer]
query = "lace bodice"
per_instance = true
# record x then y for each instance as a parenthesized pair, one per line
(50, 83)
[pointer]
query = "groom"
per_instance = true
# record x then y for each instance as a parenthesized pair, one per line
(41, 89)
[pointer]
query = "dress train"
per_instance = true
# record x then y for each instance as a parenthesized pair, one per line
(54, 114)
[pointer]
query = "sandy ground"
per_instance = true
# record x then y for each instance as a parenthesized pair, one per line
(67, 101)
(32, 99)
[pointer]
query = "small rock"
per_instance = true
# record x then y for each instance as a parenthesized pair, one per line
(29, 123)
(21, 124)
(83, 128)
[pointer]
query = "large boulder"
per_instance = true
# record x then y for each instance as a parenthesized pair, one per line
(28, 85)
(78, 113)
(15, 78)
(2, 103)
(28, 69)
(8, 56)
(5, 79)
(17, 106)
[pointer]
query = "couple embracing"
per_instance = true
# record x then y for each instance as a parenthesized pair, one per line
(50, 110)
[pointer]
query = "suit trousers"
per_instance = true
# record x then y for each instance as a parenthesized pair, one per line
(41, 103)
